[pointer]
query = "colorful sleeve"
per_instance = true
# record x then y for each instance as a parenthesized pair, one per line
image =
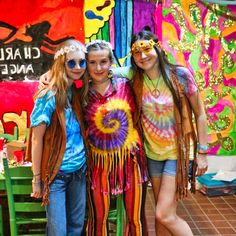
(123, 72)
(187, 79)
(127, 92)
(43, 109)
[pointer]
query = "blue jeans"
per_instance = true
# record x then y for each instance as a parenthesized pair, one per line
(66, 210)
(159, 168)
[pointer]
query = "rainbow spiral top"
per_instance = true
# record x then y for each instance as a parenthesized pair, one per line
(111, 134)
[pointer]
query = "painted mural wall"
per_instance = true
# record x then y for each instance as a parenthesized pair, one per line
(198, 35)
(202, 37)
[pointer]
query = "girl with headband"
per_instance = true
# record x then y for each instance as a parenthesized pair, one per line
(166, 98)
(118, 163)
(57, 143)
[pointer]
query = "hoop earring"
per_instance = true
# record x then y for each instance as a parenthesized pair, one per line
(110, 74)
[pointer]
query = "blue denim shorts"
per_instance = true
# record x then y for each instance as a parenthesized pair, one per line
(158, 168)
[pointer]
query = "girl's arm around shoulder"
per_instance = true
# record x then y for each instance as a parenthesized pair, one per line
(124, 72)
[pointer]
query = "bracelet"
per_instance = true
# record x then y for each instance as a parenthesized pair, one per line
(202, 153)
(37, 175)
(203, 147)
(36, 182)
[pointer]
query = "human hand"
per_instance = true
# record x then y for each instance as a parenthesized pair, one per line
(37, 190)
(44, 80)
(36, 186)
(202, 164)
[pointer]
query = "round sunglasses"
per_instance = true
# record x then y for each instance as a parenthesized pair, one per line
(72, 63)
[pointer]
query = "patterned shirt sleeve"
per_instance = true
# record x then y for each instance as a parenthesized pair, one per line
(123, 72)
(43, 109)
(187, 79)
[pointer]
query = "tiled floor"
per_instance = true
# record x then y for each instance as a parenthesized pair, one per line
(205, 215)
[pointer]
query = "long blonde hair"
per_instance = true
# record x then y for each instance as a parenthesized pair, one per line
(59, 81)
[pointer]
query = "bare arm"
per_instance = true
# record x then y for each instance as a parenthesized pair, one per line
(37, 148)
(201, 123)
(123, 72)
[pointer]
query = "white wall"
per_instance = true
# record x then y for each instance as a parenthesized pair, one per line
(216, 163)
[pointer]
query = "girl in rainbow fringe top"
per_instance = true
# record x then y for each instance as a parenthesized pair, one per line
(118, 164)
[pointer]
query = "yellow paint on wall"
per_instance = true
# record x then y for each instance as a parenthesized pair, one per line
(230, 76)
(169, 31)
(185, 7)
(1, 128)
(229, 30)
(92, 26)
(19, 120)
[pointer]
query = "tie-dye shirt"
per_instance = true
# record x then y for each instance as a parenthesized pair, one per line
(74, 156)
(158, 120)
(110, 118)
(113, 140)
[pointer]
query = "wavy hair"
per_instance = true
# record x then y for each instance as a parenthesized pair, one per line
(59, 81)
(164, 64)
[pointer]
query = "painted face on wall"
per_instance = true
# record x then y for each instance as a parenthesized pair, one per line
(75, 64)
(145, 55)
(99, 64)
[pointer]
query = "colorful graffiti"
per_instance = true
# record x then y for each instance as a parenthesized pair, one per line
(202, 37)
(29, 34)
(191, 32)
(195, 34)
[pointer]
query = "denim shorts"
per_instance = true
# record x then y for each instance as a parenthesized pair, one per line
(158, 168)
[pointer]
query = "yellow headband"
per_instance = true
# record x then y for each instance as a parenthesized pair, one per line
(145, 46)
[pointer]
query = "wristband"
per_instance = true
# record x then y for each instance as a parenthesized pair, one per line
(36, 182)
(37, 175)
(202, 153)
(203, 147)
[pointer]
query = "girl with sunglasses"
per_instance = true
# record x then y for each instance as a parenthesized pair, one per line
(118, 163)
(166, 95)
(57, 143)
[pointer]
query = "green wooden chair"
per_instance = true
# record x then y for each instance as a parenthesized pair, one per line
(10, 137)
(1, 222)
(116, 216)
(26, 215)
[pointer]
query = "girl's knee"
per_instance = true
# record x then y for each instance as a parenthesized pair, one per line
(164, 217)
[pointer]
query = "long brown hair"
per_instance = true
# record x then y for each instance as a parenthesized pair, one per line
(165, 66)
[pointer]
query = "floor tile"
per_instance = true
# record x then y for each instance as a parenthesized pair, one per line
(226, 231)
(206, 216)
